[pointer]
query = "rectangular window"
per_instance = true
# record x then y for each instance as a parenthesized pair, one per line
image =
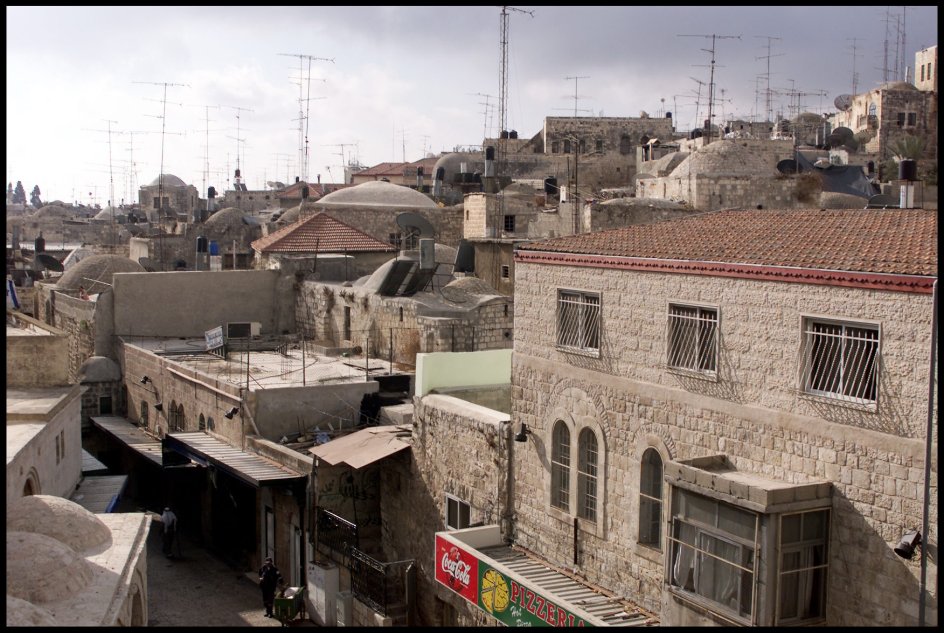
(713, 552)
(901, 119)
(803, 566)
(555, 147)
(840, 360)
(912, 119)
(922, 72)
(693, 339)
(458, 513)
(104, 405)
(506, 272)
(599, 145)
(509, 224)
(578, 321)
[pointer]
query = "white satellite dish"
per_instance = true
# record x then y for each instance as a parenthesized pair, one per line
(843, 102)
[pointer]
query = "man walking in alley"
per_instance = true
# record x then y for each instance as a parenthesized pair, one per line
(169, 519)
(269, 579)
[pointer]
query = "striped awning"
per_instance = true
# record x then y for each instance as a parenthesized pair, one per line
(255, 470)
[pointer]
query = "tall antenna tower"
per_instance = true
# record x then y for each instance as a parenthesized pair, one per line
(238, 128)
(888, 19)
(855, 75)
(711, 80)
(769, 110)
(503, 95)
(575, 90)
(697, 100)
(303, 81)
(160, 176)
(485, 113)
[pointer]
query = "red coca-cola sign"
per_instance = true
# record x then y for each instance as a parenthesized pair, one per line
(457, 569)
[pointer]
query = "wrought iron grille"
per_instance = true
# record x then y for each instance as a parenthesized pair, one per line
(336, 533)
(578, 321)
(693, 339)
(840, 361)
(369, 580)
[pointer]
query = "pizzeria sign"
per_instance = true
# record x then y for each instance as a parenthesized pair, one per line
(496, 593)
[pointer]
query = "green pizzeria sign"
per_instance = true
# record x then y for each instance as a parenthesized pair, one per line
(493, 592)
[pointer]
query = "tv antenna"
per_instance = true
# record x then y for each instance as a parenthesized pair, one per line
(111, 180)
(206, 147)
(302, 116)
(711, 80)
(160, 175)
(575, 91)
(503, 97)
(769, 110)
(485, 124)
(238, 140)
(855, 75)
(697, 100)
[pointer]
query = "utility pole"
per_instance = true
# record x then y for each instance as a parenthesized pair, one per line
(575, 90)
(711, 80)
(503, 99)
(160, 177)
(302, 128)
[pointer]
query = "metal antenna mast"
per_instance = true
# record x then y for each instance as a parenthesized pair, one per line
(767, 93)
(302, 127)
(711, 80)
(697, 99)
(575, 90)
(160, 176)
(855, 75)
(238, 140)
(503, 93)
(485, 123)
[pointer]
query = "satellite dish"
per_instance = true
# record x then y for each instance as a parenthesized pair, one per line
(49, 262)
(843, 102)
(843, 136)
(415, 224)
(787, 166)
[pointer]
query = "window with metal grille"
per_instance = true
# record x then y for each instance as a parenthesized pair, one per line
(693, 339)
(803, 566)
(506, 272)
(840, 360)
(587, 475)
(578, 321)
(560, 467)
(458, 513)
(509, 224)
(650, 499)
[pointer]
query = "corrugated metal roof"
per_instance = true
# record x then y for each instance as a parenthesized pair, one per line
(126, 431)
(363, 447)
(251, 468)
(882, 241)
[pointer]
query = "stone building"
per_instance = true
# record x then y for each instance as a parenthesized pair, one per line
(179, 200)
(697, 394)
(416, 175)
(925, 75)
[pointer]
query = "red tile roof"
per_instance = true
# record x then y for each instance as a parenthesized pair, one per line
(883, 241)
(398, 169)
(319, 234)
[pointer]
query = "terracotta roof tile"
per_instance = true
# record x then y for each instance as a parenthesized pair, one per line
(890, 241)
(322, 234)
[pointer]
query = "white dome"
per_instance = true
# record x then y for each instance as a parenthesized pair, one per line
(59, 519)
(378, 194)
(23, 613)
(41, 569)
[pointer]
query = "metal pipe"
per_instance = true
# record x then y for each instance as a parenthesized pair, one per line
(575, 542)
(922, 602)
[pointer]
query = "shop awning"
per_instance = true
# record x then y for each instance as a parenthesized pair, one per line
(127, 432)
(519, 589)
(253, 469)
(100, 494)
(364, 447)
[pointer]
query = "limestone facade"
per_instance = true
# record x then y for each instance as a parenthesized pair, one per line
(753, 413)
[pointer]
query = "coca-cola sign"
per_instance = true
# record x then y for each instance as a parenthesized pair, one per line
(457, 569)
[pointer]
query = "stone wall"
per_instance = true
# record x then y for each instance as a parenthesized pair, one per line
(37, 361)
(752, 413)
(460, 449)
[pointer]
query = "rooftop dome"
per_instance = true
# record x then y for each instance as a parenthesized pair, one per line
(99, 369)
(466, 289)
(378, 194)
(898, 85)
(224, 219)
(23, 613)
(41, 569)
(108, 213)
(444, 256)
(170, 180)
(95, 271)
(52, 211)
(452, 164)
(57, 518)
(723, 158)
(289, 216)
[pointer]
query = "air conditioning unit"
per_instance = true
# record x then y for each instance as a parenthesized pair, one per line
(243, 329)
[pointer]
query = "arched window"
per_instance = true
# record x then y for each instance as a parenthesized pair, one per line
(566, 145)
(650, 499)
(201, 423)
(180, 417)
(144, 413)
(172, 416)
(560, 467)
(587, 475)
(626, 144)
(210, 424)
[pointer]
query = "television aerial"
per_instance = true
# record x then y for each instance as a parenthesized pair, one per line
(414, 225)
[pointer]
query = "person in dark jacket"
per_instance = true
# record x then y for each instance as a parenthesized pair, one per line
(269, 579)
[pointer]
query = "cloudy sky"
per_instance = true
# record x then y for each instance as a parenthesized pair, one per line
(402, 81)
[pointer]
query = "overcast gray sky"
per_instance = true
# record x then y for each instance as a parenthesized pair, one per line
(404, 81)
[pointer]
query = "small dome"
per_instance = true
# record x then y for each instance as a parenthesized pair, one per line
(23, 613)
(41, 569)
(94, 269)
(52, 211)
(170, 180)
(99, 369)
(57, 518)
(836, 200)
(723, 158)
(108, 213)
(378, 194)
(225, 219)
(452, 165)
(290, 216)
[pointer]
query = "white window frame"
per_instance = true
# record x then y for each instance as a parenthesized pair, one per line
(656, 503)
(459, 504)
(587, 310)
(801, 545)
(575, 477)
(697, 366)
(588, 476)
(560, 492)
(806, 360)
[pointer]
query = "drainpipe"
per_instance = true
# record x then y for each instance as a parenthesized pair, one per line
(927, 461)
